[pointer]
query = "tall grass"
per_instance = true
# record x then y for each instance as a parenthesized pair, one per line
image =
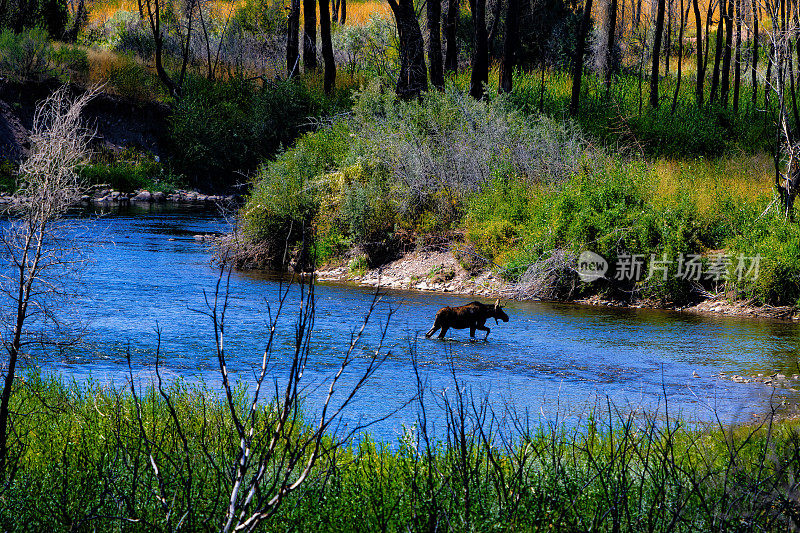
(82, 464)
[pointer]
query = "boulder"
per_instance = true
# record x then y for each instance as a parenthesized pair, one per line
(143, 196)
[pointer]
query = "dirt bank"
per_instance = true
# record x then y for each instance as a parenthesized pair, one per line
(440, 271)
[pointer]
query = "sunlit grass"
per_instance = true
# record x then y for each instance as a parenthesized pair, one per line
(360, 12)
(357, 12)
(740, 176)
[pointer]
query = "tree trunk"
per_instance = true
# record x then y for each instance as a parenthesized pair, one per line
(310, 34)
(451, 28)
(726, 60)
(668, 38)
(754, 78)
(768, 77)
(435, 43)
(334, 11)
(498, 6)
(737, 70)
(684, 18)
(698, 91)
(480, 61)
(707, 46)
(510, 45)
(659, 30)
(577, 67)
(611, 42)
(327, 46)
(343, 12)
(293, 39)
(413, 79)
(154, 16)
(717, 53)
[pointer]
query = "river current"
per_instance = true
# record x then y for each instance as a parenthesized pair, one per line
(552, 361)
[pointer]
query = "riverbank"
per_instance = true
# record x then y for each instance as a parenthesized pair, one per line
(103, 195)
(441, 271)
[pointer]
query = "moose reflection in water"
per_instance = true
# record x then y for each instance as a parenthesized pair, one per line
(472, 316)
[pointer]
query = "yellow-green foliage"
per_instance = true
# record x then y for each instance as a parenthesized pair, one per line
(669, 207)
(81, 458)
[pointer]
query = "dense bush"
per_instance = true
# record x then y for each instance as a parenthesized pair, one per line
(25, 56)
(221, 129)
(405, 165)
(74, 61)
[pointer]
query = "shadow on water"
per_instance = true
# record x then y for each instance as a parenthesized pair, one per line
(548, 356)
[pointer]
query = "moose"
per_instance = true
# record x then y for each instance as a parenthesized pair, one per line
(472, 316)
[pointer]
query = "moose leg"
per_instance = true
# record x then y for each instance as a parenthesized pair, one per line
(432, 330)
(483, 328)
(444, 330)
(472, 332)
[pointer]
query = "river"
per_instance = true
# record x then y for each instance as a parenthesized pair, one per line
(550, 360)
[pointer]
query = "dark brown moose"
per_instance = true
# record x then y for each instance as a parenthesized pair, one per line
(472, 316)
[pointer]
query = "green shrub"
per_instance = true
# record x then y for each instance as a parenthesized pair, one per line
(74, 60)
(25, 56)
(131, 79)
(622, 115)
(218, 130)
(8, 180)
(140, 173)
(776, 243)
(286, 197)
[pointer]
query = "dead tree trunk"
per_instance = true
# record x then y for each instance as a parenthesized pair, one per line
(154, 17)
(698, 91)
(754, 73)
(413, 79)
(717, 53)
(684, 18)
(726, 60)
(737, 64)
(451, 28)
(611, 42)
(293, 39)
(577, 67)
(668, 38)
(343, 12)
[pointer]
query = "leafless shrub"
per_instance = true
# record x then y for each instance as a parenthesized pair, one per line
(39, 250)
(452, 145)
(551, 277)
(280, 448)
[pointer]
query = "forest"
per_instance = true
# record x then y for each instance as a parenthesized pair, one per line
(526, 132)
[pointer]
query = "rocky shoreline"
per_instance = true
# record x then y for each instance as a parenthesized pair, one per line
(103, 195)
(423, 271)
(440, 271)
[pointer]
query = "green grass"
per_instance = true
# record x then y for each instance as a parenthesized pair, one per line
(83, 464)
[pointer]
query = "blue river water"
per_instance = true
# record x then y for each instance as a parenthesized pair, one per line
(552, 361)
